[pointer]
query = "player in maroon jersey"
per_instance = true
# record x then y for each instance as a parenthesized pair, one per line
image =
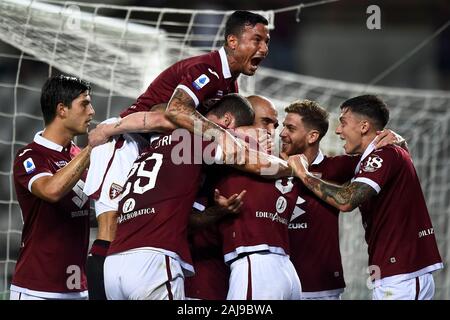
(48, 177)
(401, 244)
(187, 86)
(152, 223)
(314, 227)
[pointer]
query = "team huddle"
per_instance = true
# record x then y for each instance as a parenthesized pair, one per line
(193, 201)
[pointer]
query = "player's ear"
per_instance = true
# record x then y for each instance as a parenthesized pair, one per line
(61, 110)
(229, 120)
(313, 136)
(365, 126)
(232, 41)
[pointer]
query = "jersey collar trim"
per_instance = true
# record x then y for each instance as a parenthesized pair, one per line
(225, 66)
(319, 158)
(368, 151)
(39, 139)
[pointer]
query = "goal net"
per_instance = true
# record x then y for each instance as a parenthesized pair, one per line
(121, 49)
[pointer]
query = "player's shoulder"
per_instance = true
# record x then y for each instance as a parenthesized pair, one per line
(27, 151)
(207, 59)
(343, 159)
(390, 151)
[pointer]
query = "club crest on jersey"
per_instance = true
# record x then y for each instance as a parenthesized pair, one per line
(200, 82)
(114, 191)
(372, 164)
(29, 165)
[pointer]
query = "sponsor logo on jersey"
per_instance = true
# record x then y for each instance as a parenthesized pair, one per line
(426, 232)
(29, 165)
(127, 216)
(213, 72)
(61, 163)
(200, 82)
(115, 190)
(297, 210)
(128, 205)
(372, 164)
(302, 225)
(24, 151)
(81, 213)
(80, 197)
(272, 216)
(281, 204)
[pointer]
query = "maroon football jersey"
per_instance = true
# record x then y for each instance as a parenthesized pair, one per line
(55, 236)
(314, 229)
(205, 78)
(212, 275)
(264, 216)
(398, 228)
(158, 197)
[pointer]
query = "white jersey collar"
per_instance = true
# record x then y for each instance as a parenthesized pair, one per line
(319, 158)
(39, 139)
(225, 66)
(368, 151)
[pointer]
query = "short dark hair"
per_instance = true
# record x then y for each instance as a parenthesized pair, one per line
(370, 106)
(239, 19)
(238, 106)
(313, 115)
(60, 89)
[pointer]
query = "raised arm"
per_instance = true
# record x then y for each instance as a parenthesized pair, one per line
(53, 188)
(345, 197)
(181, 111)
(136, 122)
(264, 165)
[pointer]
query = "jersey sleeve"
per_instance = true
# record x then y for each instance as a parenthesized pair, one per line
(200, 81)
(377, 169)
(30, 166)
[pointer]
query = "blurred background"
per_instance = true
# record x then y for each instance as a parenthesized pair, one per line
(328, 55)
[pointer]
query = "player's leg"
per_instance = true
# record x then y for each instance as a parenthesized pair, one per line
(16, 295)
(149, 275)
(263, 276)
(110, 164)
(417, 288)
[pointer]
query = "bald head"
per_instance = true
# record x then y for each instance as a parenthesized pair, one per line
(265, 113)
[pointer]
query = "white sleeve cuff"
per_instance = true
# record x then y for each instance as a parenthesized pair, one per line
(189, 92)
(102, 207)
(42, 174)
(371, 183)
(199, 206)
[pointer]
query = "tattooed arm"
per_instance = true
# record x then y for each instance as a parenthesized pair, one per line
(53, 188)
(154, 120)
(181, 111)
(345, 197)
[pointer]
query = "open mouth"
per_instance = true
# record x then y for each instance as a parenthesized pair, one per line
(255, 61)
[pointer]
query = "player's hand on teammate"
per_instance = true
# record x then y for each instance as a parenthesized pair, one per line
(98, 136)
(234, 150)
(386, 137)
(232, 204)
(299, 165)
(262, 136)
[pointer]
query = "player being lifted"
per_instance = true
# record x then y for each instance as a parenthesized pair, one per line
(188, 86)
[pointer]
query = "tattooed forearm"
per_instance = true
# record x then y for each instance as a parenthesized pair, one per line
(345, 198)
(181, 110)
(76, 173)
(145, 120)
